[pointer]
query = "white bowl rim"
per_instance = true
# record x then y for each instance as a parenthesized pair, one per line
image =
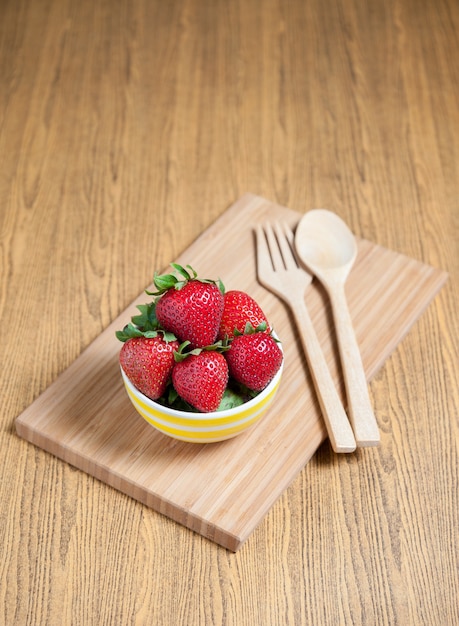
(197, 416)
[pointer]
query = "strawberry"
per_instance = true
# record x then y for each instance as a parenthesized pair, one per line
(254, 359)
(239, 310)
(148, 363)
(201, 379)
(190, 308)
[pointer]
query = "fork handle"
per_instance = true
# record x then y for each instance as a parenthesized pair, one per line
(335, 418)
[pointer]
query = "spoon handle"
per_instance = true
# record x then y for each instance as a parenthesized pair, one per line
(359, 406)
(337, 423)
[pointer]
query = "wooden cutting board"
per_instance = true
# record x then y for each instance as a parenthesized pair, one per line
(223, 490)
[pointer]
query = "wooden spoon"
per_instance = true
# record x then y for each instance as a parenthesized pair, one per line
(326, 246)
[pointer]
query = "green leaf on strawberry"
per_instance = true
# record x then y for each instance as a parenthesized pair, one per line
(250, 330)
(182, 352)
(145, 324)
(165, 282)
(231, 399)
(129, 332)
(147, 319)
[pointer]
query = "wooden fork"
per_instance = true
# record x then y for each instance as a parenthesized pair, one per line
(279, 271)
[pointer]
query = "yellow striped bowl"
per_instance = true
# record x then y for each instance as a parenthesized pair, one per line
(203, 427)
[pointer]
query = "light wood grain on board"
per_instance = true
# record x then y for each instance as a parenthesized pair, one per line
(223, 490)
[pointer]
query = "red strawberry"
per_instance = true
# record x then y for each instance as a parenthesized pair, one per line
(239, 310)
(148, 363)
(201, 379)
(254, 359)
(189, 308)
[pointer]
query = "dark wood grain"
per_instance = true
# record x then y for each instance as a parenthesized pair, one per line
(126, 128)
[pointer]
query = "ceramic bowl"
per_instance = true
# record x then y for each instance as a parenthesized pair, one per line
(203, 427)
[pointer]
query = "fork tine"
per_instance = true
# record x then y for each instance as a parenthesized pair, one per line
(263, 256)
(273, 245)
(285, 240)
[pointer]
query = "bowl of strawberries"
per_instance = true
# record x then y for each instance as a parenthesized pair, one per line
(199, 363)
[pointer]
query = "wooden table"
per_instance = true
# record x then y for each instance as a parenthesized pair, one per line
(126, 129)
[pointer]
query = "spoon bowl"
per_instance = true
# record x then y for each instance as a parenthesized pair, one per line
(324, 242)
(327, 248)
